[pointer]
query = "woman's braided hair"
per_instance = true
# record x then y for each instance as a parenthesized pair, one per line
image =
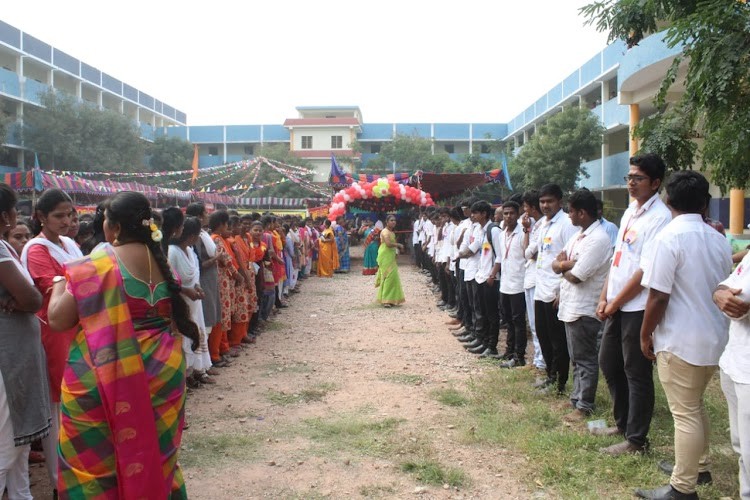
(130, 209)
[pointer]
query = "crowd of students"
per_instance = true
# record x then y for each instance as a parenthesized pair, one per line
(76, 296)
(658, 290)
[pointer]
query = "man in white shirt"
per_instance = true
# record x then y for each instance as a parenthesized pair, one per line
(510, 254)
(583, 264)
(465, 313)
(682, 329)
(415, 233)
(531, 220)
(474, 240)
(622, 301)
(488, 267)
(732, 296)
(554, 233)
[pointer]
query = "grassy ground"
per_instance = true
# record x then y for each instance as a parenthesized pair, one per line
(500, 408)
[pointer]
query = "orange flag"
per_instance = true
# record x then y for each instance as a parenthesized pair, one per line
(195, 163)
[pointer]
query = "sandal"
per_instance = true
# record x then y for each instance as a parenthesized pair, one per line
(205, 379)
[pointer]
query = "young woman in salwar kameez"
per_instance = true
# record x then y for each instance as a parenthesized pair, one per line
(342, 245)
(218, 339)
(388, 281)
(328, 255)
(120, 430)
(245, 298)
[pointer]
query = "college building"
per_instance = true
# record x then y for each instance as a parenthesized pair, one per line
(617, 84)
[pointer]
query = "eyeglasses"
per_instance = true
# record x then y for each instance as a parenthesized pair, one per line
(635, 178)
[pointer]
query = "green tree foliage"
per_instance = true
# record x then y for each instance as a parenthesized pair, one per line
(555, 153)
(669, 134)
(69, 135)
(410, 153)
(169, 153)
(715, 40)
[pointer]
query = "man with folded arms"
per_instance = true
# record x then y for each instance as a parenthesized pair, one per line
(583, 264)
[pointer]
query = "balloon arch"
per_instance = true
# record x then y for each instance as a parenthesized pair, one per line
(379, 196)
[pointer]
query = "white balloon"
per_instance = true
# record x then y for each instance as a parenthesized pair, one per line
(347, 197)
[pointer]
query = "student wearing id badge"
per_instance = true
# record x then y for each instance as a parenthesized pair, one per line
(555, 231)
(621, 306)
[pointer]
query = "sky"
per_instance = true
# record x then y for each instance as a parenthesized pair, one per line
(226, 62)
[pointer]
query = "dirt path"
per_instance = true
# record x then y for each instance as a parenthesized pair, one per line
(342, 399)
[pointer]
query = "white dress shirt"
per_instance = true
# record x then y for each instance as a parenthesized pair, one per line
(638, 228)
(591, 249)
(553, 235)
(464, 227)
(475, 237)
(688, 260)
(510, 255)
(529, 279)
(735, 361)
(486, 256)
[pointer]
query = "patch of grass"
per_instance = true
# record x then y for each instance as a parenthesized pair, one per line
(273, 326)
(275, 368)
(214, 450)
(432, 472)
(306, 395)
(376, 490)
(352, 433)
(503, 410)
(403, 378)
(450, 397)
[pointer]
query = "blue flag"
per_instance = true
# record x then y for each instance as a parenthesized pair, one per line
(505, 172)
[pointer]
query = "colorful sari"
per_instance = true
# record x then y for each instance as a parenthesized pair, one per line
(388, 280)
(372, 242)
(328, 255)
(123, 390)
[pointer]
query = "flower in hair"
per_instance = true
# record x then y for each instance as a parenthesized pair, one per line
(155, 233)
(156, 236)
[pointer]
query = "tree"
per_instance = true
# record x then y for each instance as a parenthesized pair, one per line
(410, 153)
(715, 39)
(671, 135)
(555, 153)
(72, 135)
(169, 153)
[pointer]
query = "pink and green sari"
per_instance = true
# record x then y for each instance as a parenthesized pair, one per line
(123, 388)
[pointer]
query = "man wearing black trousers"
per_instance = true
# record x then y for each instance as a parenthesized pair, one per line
(512, 295)
(554, 233)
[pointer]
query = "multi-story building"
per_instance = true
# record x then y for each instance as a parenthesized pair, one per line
(30, 67)
(617, 84)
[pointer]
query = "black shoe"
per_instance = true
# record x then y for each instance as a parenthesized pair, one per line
(466, 338)
(488, 353)
(664, 493)
(540, 384)
(461, 331)
(478, 349)
(441, 304)
(666, 468)
(474, 343)
(508, 355)
(512, 363)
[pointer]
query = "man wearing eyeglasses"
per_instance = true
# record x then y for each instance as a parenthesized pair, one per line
(621, 306)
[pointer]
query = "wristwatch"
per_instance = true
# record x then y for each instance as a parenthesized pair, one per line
(58, 279)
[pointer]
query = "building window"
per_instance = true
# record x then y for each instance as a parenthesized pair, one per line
(248, 150)
(375, 148)
(306, 142)
(485, 149)
(213, 151)
(336, 142)
(450, 149)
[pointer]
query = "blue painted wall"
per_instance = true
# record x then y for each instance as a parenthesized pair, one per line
(376, 132)
(275, 133)
(420, 129)
(445, 131)
(206, 134)
(243, 133)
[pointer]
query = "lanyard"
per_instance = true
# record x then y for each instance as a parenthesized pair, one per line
(573, 246)
(635, 216)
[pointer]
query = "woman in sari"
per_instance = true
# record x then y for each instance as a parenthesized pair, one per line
(388, 281)
(123, 390)
(372, 242)
(328, 255)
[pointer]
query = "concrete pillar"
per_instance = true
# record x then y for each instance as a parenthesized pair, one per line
(736, 211)
(635, 117)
